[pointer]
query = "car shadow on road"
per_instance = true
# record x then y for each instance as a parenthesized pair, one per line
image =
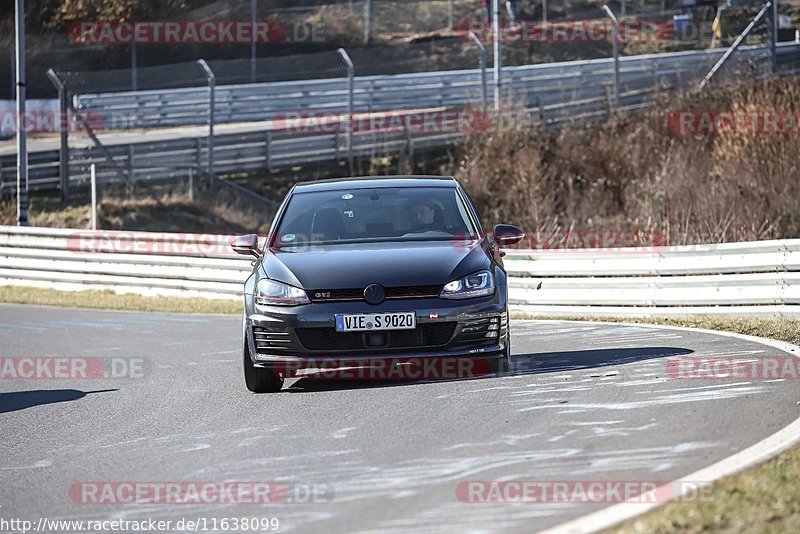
(521, 364)
(552, 362)
(20, 400)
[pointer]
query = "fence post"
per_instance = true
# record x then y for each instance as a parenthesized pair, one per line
(450, 15)
(735, 44)
(22, 139)
(212, 82)
(64, 123)
(351, 72)
(367, 21)
(253, 41)
(498, 59)
(772, 35)
(482, 51)
(93, 175)
(615, 47)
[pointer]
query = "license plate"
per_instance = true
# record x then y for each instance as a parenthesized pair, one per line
(376, 321)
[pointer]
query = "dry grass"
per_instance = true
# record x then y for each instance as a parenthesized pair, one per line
(108, 300)
(162, 213)
(633, 175)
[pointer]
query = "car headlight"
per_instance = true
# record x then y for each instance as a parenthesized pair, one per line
(274, 293)
(477, 284)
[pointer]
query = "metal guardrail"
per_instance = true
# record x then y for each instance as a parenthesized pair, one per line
(547, 82)
(757, 278)
(555, 92)
(262, 149)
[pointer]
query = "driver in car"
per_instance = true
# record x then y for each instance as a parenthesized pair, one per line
(422, 213)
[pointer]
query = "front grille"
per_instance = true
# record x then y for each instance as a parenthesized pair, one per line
(424, 336)
(479, 332)
(270, 340)
(404, 292)
(412, 292)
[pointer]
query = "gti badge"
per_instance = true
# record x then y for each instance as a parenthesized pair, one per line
(434, 316)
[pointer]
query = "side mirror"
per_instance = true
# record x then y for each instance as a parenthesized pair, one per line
(506, 235)
(247, 244)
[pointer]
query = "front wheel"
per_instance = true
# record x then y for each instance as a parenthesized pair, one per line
(260, 379)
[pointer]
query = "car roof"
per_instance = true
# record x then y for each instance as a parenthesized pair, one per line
(365, 182)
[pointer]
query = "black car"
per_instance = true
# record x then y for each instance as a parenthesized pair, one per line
(363, 269)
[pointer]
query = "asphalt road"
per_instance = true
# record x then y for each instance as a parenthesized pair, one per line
(585, 402)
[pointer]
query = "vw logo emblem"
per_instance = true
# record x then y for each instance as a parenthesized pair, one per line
(374, 294)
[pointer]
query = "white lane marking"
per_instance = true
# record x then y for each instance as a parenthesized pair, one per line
(219, 352)
(719, 394)
(593, 423)
(36, 465)
(630, 383)
(198, 447)
(696, 388)
(342, 432)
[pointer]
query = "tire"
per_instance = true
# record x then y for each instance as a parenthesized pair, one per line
(260, 379)
(502, 365)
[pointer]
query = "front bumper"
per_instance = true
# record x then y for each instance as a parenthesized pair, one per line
(445, 329)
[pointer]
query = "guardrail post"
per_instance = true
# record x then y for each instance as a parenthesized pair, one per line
(134, 71)
(482, 50)
(268, 150)
(351, 72)
(64, 123)
(191, 184)
(615, 47)
(131, 166)
(735, 45)
(212, 82)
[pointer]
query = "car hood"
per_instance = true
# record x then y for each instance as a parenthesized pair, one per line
(349, 266)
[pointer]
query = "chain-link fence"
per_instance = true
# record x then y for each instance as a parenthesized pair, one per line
(404, 36)
(578, 65)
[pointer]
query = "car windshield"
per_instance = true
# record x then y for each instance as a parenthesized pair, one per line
(373, 215)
